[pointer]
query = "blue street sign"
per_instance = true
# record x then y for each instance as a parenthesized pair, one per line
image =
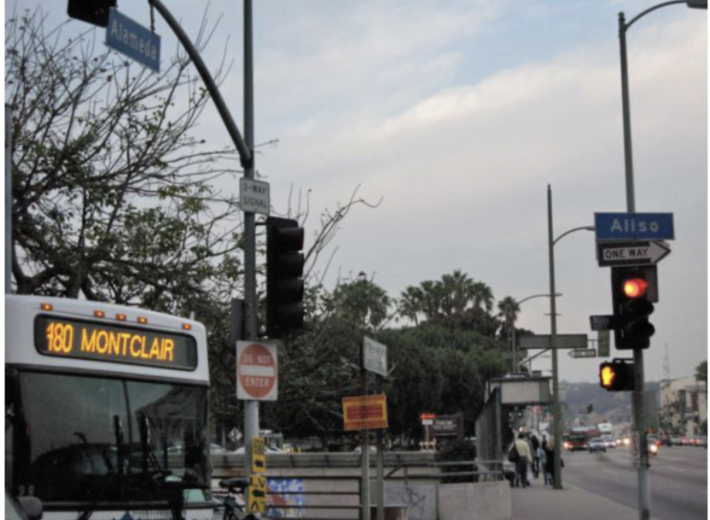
(634, 226)
(133, 40)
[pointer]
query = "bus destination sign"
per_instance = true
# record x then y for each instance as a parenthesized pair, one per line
(79, 339)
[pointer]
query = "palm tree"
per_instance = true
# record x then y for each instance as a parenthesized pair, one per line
(431, 299)
(508, 309)
(482, 295)
(411, 303)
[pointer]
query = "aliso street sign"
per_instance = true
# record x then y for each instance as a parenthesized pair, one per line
(611, 254)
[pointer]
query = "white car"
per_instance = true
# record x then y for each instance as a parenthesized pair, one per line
(608, 441)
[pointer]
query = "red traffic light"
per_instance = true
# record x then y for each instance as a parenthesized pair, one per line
(635, 287)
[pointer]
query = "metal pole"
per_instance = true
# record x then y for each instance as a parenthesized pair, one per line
(515, 351)
(8, 199)
(628, 156)
(380, 444)
(365, 459)
(644, 495)
(557, 477)
(251, 408)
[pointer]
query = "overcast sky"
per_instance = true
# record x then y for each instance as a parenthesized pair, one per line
(458, 114)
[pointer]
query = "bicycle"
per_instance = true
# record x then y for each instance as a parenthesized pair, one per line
(232, 509)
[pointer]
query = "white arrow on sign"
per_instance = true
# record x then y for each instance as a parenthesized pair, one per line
(632, 253)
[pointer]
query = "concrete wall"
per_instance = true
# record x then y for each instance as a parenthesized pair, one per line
(481, 501)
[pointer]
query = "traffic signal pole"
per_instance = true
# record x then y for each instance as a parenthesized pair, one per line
(644, 496)
(251, 408)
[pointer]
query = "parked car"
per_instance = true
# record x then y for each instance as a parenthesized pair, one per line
(676, 440)
(702, 441)
(596, 444)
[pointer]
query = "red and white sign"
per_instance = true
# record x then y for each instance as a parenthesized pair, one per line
(257, 371)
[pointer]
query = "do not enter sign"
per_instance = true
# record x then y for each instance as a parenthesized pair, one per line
(257, 371)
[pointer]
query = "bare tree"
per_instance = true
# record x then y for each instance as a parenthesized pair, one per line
(113, 196)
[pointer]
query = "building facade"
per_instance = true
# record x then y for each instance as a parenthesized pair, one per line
(683, 406)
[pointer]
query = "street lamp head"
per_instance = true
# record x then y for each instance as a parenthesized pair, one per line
(697, 4)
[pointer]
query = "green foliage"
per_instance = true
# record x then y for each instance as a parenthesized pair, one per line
(455, 451)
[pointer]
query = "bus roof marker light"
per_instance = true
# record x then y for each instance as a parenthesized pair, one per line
(186, 326)
(99, 314)
(46, 306)
(142, 320)
(121, 317)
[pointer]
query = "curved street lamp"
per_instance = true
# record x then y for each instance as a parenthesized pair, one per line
(513, 339)
(557, 427)
(639, 420)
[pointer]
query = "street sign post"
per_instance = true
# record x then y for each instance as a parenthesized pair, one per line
(543, 341)
(132, 39)
(583, 353)
(254, 196)
(634, 226)
(610, 254)
(257, 371)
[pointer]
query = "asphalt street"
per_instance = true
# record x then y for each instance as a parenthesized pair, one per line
(678, 479)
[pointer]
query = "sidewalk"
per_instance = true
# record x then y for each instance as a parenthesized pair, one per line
(538, 502)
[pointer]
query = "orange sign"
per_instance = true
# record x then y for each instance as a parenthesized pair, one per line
(367, 412)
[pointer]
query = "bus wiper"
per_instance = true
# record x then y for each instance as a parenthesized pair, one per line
(112, 470)
(149, 457)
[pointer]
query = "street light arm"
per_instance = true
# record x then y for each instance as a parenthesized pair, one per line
(644, 13)
(587, 228)
(536, 296)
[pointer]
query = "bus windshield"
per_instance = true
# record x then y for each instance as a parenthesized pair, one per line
(100, 439)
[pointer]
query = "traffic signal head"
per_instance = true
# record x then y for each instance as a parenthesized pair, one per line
(616, 375)
(633, 290)
(284, 271)
(92, 11)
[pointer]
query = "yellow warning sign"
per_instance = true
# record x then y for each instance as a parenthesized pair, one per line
(257, 494)
(258, 455)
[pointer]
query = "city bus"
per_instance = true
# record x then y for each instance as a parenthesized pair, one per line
(106, 411)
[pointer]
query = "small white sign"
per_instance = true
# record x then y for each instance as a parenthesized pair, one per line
(374, 356)
(254, 196)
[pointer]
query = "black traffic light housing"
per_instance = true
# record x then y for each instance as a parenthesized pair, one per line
(617, 375)
(634, 289)
(284, 277)
(92, 11)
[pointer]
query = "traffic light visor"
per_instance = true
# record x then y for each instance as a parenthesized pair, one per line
(608, 374)
(635, 287)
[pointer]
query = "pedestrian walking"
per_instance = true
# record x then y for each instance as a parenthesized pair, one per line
(521, 466)
(549, 462)
(535, 444)
(542, 460)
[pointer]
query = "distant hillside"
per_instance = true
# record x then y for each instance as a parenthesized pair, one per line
(614, 407)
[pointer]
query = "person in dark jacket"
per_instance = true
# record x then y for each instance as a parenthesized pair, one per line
(536, 460)
(548, 448)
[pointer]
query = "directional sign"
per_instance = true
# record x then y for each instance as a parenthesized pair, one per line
(257, 371)
(133, 40)
(544, 341)
(258, 455)
(604, 343)
(610, 254)
(602, 322)
(634, 226)
(583, 353)
(257, 494)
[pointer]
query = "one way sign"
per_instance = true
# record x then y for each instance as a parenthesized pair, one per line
(612, 254)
